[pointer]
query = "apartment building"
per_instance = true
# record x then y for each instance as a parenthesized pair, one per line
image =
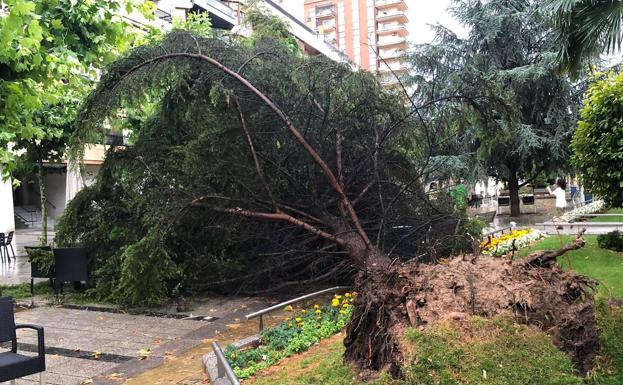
(372, 33)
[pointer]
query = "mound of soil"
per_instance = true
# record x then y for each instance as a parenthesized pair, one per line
(535, 291)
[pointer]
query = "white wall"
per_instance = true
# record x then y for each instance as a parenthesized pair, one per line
(7, 220)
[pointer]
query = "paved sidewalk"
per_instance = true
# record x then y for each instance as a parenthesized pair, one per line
(83, 344)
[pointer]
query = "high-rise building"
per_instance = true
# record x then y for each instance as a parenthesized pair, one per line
(372, 33)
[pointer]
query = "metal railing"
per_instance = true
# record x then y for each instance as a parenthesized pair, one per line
(502, 230)
(224, 372)
(291, 302)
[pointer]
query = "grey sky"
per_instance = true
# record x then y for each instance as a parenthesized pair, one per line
(422, 13)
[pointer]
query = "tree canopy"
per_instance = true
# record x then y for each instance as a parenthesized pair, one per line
(598, 142)
(221, 187)
(50, 56)
(501, 90)
(584, 29)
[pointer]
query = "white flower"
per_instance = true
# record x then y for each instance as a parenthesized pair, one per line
(590, 208)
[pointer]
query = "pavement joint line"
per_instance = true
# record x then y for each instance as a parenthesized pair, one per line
(72, 353)
(113, 310)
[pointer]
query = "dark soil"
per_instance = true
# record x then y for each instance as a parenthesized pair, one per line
(535, 291)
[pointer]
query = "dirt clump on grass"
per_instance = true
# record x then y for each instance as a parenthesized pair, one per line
(534, 291)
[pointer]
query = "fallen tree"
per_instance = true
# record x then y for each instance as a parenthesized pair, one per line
(356, 183)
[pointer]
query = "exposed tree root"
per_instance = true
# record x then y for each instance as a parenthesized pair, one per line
(535, 291)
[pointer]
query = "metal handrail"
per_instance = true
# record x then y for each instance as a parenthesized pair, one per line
(502, 230)
(260, 313)
(223, 368)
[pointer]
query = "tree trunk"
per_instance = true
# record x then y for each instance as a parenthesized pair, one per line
(513, 190)
(43, 202)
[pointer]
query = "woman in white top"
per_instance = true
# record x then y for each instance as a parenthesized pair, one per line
(561, 196)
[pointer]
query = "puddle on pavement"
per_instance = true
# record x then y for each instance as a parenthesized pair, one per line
(186, 369)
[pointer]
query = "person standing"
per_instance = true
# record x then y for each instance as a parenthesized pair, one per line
(561, 196)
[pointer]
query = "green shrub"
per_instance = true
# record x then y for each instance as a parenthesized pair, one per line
(44, 259)
(611, 241)
(294, 335)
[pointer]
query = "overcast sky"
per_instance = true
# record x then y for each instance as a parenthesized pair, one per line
(422, 13)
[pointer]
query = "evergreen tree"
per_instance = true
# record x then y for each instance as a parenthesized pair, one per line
(501, 91)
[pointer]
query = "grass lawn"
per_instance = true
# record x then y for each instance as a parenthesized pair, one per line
(22, 291)
(491, 352)
(605, 266)
(610, 219)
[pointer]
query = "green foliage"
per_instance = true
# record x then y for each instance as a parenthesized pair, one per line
(584, 29)
(265, 25)
(459, 195)
(598, 142)
(294, 335)
(611, 241)
(189, 170)
(499, 90)
(50, 52)
(22, 291)
(43, 259)
(609, 362)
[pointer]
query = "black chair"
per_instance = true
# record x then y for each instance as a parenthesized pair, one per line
(12, 364)
(70, 265)
(2, 242)
(36, 270)
(8, 243)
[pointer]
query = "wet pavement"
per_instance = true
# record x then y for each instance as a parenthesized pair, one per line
(17, 271)
(111, 347)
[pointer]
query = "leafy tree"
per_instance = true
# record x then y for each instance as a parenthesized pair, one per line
(198, 121)
(292, 165)
(500, 90)
(585, 29)
(598, 142)
(50, 54)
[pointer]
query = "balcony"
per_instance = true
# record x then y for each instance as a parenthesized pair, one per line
(326, 26)
(396, 4)
(396, 41)
(392, 15)
(392, 28)
(391, 54)
(323, 13)
(387, 67)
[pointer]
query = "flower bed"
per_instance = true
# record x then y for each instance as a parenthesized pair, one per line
(590, 208)
(296, 334)
(503, 244)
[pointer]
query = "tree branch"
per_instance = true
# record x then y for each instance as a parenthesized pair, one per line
(283, 217)
(547, 258)
(258, 168)
(284, 118)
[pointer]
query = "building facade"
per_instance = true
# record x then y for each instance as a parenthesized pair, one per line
(372, 33)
